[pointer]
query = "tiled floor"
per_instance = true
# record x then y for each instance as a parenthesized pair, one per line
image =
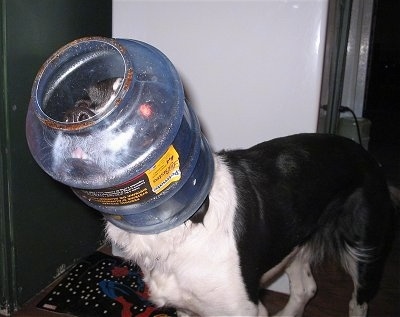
(30, 310)
(331, 300)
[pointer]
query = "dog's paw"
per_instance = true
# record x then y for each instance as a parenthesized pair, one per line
(356, 310)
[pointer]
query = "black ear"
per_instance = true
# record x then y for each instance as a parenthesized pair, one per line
(81, 111)
(199, 215)
(101, 92)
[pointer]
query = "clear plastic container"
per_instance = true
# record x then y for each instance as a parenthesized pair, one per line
(108, 117)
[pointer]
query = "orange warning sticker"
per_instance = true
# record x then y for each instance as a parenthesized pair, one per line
(165, 171)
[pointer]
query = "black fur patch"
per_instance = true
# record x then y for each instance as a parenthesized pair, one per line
(199, 215)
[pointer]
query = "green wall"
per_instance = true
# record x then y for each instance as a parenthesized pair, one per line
(44, 228)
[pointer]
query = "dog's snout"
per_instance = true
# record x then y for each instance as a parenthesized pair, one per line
(79, 167)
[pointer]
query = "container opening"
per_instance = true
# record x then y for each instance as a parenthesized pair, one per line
(81, 86)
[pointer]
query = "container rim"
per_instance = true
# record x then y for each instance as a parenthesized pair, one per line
(67, 54)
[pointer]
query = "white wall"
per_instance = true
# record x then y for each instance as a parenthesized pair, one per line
(252, 69)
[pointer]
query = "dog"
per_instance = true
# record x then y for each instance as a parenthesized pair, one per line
(284, 204)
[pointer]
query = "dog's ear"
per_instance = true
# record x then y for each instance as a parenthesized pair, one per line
(199, 215)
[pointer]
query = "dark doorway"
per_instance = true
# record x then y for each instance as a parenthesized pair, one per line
(382, 105)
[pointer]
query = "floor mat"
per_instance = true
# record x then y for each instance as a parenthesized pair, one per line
(103, 285)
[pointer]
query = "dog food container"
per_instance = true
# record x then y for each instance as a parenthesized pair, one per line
(130, 147)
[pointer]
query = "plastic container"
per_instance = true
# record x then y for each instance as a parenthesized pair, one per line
(108, 117)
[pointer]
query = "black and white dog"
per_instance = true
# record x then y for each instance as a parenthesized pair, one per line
(284, 204)
(280, 205)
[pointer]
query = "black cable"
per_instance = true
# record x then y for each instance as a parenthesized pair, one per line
(347, 109)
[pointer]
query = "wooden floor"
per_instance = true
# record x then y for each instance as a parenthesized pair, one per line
(331, 300)
(335, 289)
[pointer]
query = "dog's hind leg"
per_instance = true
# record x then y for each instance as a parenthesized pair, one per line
(358, 306)
(302, 287)
(365, 237)
(365, 267)
(355, 309)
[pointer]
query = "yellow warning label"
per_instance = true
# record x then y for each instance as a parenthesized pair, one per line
(165, 171)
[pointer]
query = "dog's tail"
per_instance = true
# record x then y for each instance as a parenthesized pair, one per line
(395, 196)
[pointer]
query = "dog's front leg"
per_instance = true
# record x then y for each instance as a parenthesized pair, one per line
(181, 313)
(302, 287)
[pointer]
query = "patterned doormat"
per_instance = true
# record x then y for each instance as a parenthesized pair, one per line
(103, 285)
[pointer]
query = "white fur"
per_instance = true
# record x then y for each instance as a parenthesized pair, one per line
(356, 310)
(105, 151)
(113, 143)
(194, 267)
